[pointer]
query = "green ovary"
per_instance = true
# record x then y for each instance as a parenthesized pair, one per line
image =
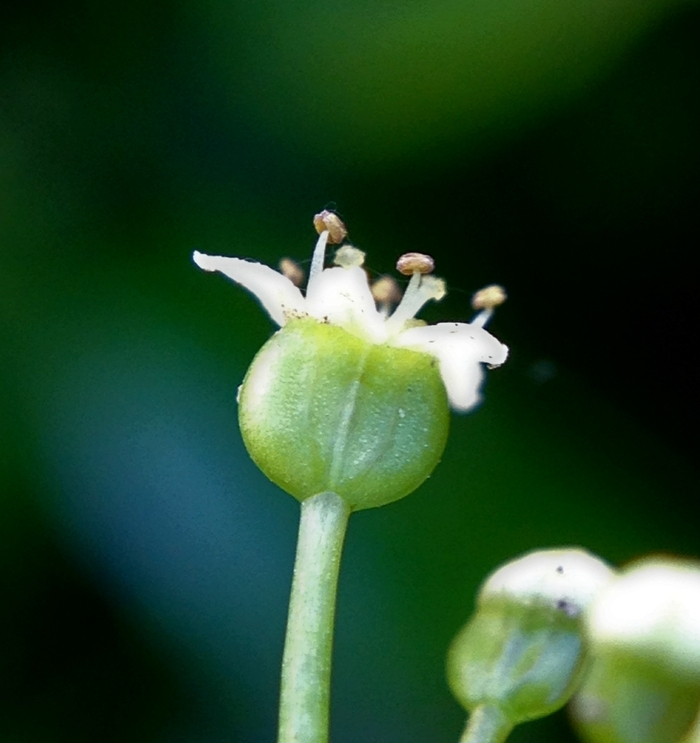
(324, 410)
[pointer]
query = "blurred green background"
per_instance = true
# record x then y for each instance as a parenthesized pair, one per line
(144, 562)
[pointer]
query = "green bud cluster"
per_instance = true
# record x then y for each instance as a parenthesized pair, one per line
(522, 653)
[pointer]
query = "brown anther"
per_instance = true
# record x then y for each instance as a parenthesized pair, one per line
(385, 290)
(325, 220)
(410, 263)
(292, 270)
(489, 297)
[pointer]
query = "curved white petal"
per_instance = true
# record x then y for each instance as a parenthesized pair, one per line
(276, 292)
(461, 350)
(341, 296)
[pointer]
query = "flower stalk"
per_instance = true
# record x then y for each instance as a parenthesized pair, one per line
(486, 724)
(306, 665)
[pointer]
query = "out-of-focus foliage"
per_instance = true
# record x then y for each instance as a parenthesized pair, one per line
(145, 562)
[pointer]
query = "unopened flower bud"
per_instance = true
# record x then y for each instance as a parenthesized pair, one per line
(410, 263)
(644, 634)
(522, 652)
(325, 220)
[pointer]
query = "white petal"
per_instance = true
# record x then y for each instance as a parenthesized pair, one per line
(565, 579)
(341, 296)
(276, 292)
(461, 350)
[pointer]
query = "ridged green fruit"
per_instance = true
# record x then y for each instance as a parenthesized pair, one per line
(322, 410)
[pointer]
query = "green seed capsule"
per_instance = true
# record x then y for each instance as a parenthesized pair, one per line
(322, 410)
(644, 632)
(522, 653)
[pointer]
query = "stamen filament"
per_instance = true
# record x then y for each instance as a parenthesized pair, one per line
(482, 318)
(408, 306)
(420, 289)
(318, 258)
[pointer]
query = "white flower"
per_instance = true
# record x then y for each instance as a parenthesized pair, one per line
(341, 296)
(652, 610)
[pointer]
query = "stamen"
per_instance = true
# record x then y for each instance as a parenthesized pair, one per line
(337, 231)
(420, 290)
(386, 294)
(487, 299)
(482, 318)
(385, 290)
(348, 256)
(318, 258)
(437, 287)
(292, 270)
(410, 263)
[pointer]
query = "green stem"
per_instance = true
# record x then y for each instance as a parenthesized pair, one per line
(306, 666)
(486, 724)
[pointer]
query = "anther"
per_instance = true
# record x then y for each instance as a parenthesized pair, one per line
(489, 297)
(411, 263)
(325, 220)
(348, 257)
(386, 291)
(292, 270)
(435, 287)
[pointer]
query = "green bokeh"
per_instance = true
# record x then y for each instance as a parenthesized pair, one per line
(551, 147)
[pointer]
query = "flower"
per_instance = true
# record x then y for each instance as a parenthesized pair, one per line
(643, 631)
(342, 296)
(522, 653)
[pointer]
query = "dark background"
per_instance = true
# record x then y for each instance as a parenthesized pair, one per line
(144, 562)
